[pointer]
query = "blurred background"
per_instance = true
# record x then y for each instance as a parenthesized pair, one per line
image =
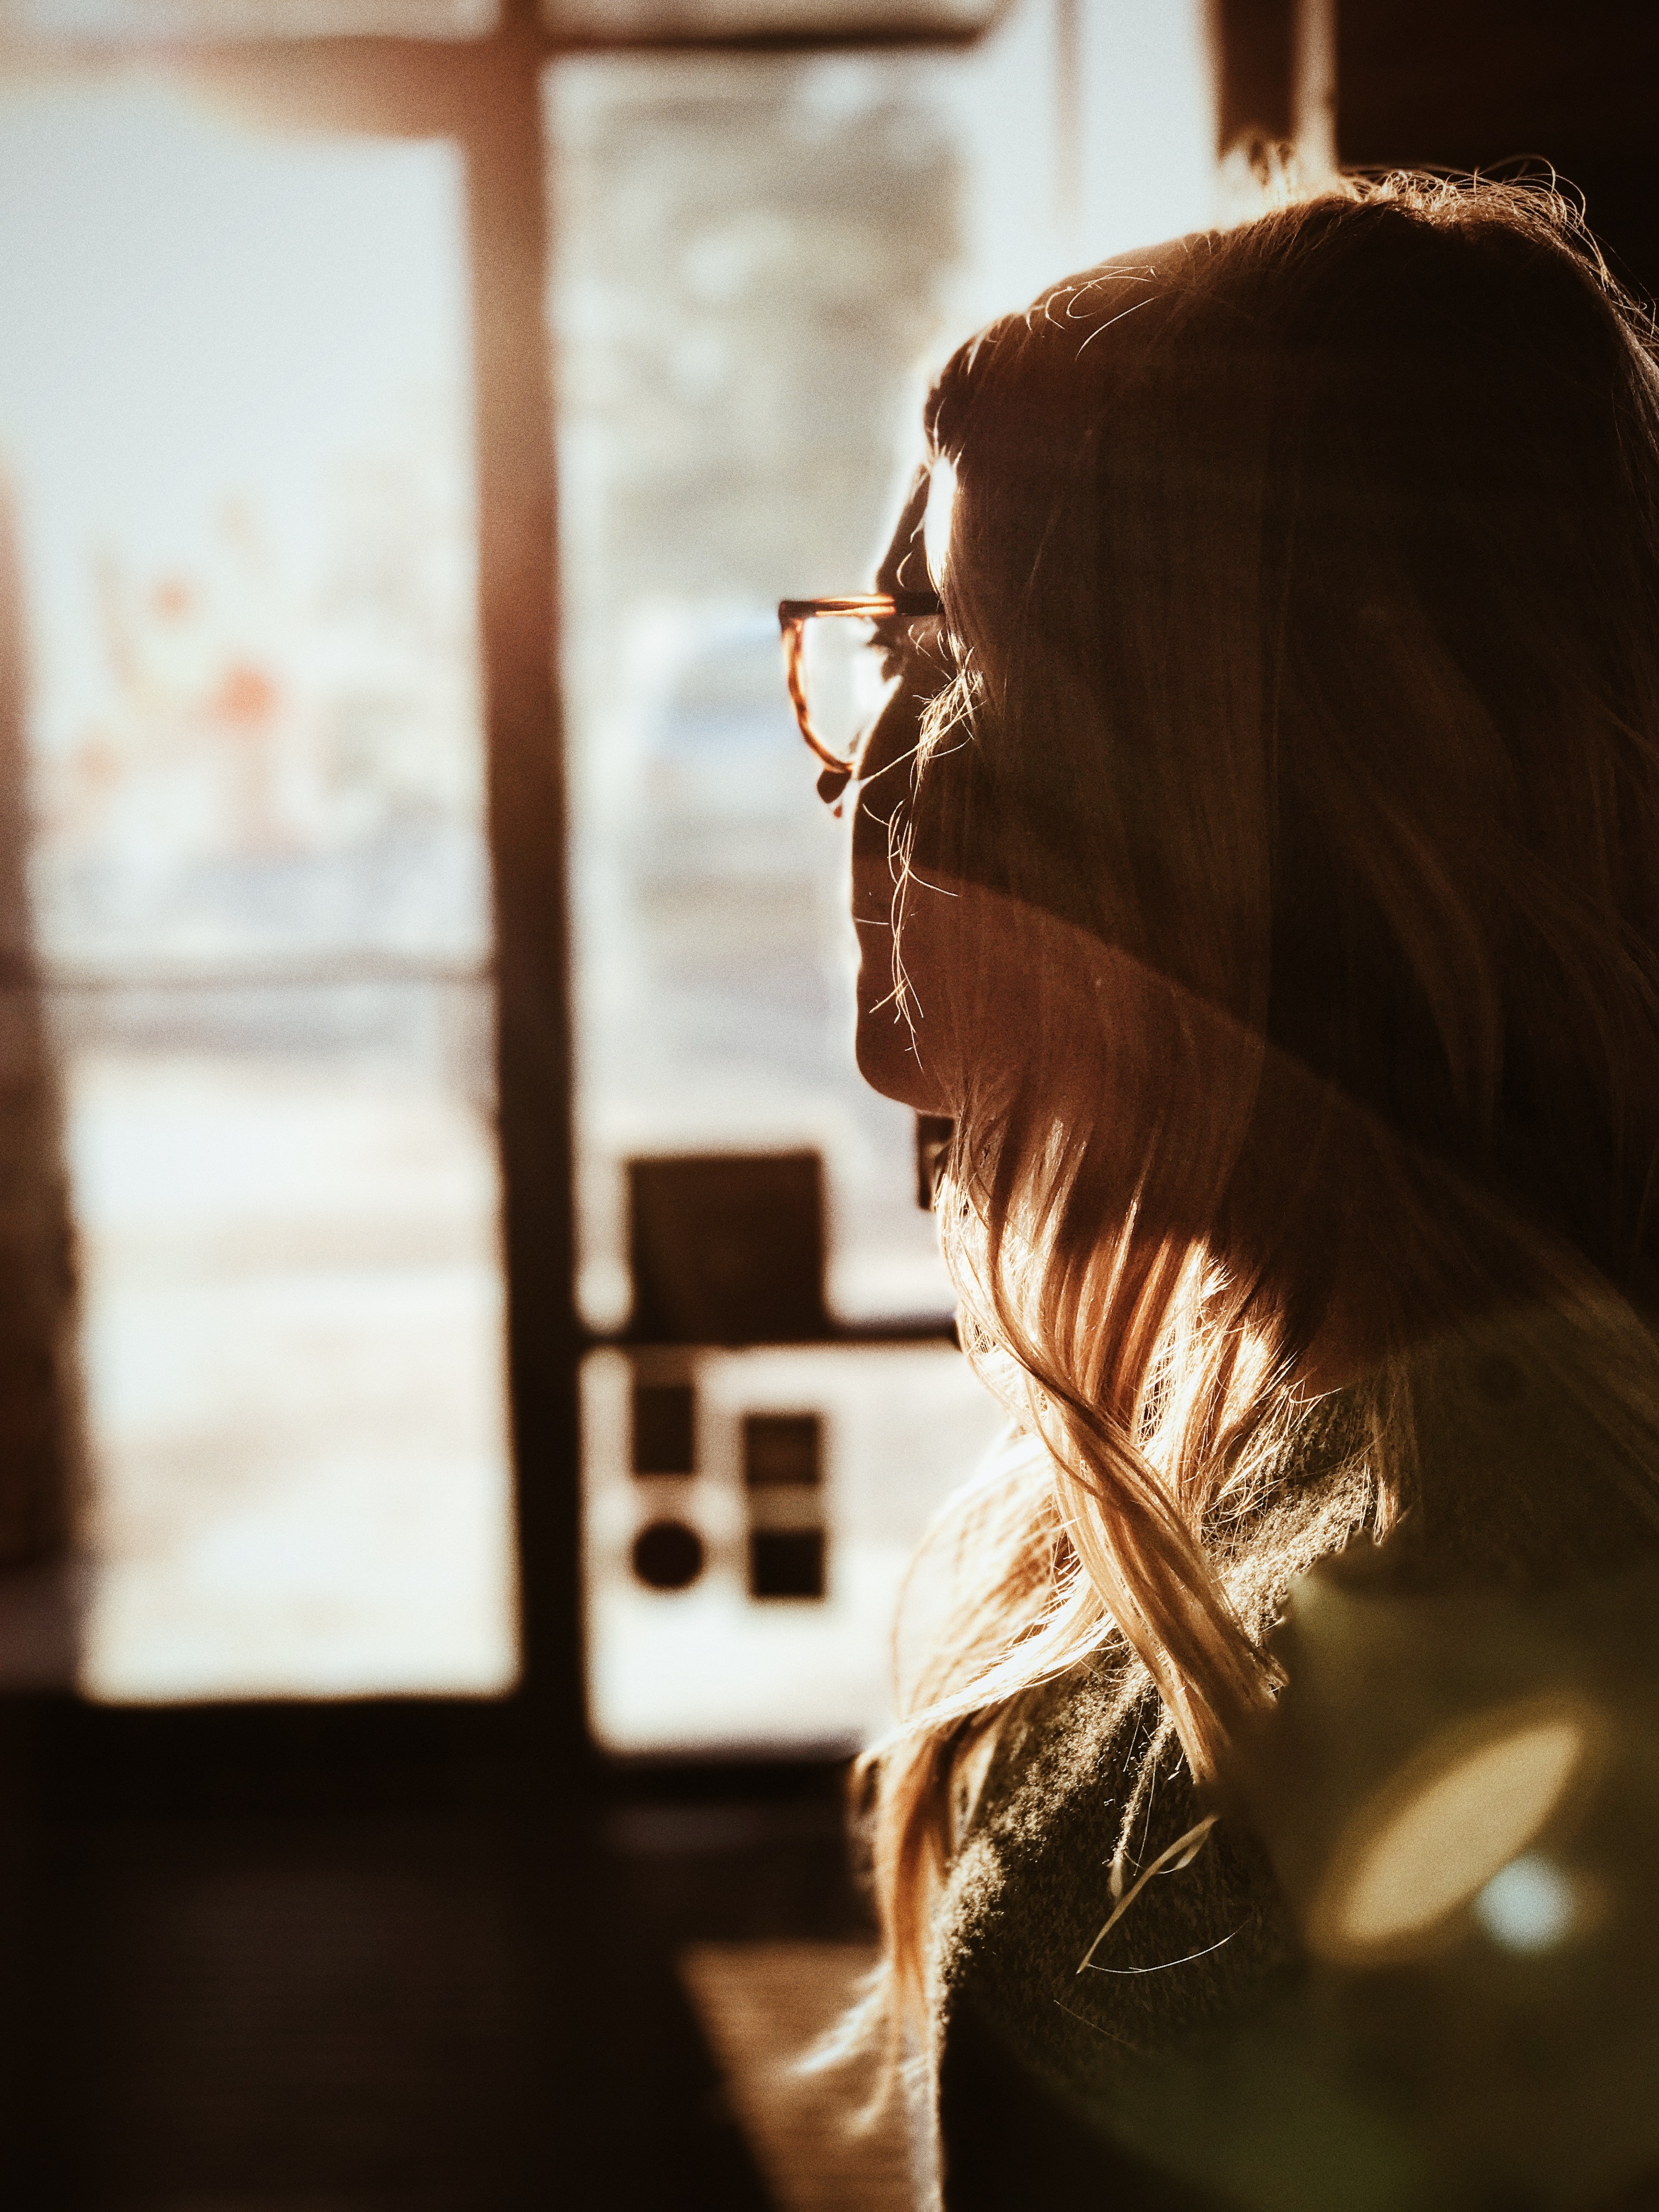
(472, 1363)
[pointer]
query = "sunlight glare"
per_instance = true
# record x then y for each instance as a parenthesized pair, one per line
(1442, 1833)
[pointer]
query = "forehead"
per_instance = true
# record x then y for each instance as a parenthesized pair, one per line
(914, 559)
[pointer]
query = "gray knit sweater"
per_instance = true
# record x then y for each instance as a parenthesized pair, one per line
(1201, 2057)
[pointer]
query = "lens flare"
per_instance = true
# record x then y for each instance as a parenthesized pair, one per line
(1447, 1830)
(1528, 1905)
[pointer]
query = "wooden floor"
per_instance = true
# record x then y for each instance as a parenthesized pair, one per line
(764, 2006)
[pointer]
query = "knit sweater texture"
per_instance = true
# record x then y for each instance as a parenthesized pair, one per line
(1199, 2042)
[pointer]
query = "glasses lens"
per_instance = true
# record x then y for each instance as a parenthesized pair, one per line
(852, 668)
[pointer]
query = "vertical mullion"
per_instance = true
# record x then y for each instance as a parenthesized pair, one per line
(507, 227)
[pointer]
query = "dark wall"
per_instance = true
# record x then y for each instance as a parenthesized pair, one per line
(1469, 84)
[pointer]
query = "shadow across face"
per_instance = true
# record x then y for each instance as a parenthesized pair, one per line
(902, 940)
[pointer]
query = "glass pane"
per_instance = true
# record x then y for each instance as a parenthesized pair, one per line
(169, 20)
(235, 404)
(758, 258)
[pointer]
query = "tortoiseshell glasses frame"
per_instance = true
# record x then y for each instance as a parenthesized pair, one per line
(793, 615)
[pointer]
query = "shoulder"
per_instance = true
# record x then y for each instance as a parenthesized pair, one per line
(1083, 1767)
(1087, 1771)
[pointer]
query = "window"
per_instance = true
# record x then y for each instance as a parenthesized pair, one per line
(237, 414)
(271, 415)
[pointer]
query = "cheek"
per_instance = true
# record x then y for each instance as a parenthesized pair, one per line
(874, 868)
(894, 1043)
(903, 1037)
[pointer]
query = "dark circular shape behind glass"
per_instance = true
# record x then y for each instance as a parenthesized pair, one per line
(667, 1555)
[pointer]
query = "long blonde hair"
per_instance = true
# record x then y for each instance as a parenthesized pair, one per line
(1298, 794)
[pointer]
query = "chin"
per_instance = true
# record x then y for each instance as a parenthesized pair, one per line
(887, 1062)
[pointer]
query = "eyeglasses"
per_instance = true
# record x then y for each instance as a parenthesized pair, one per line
(844, 661)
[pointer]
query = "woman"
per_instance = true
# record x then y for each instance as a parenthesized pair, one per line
(1257, 863)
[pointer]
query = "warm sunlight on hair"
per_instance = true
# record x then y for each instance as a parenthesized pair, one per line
(936, 523)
